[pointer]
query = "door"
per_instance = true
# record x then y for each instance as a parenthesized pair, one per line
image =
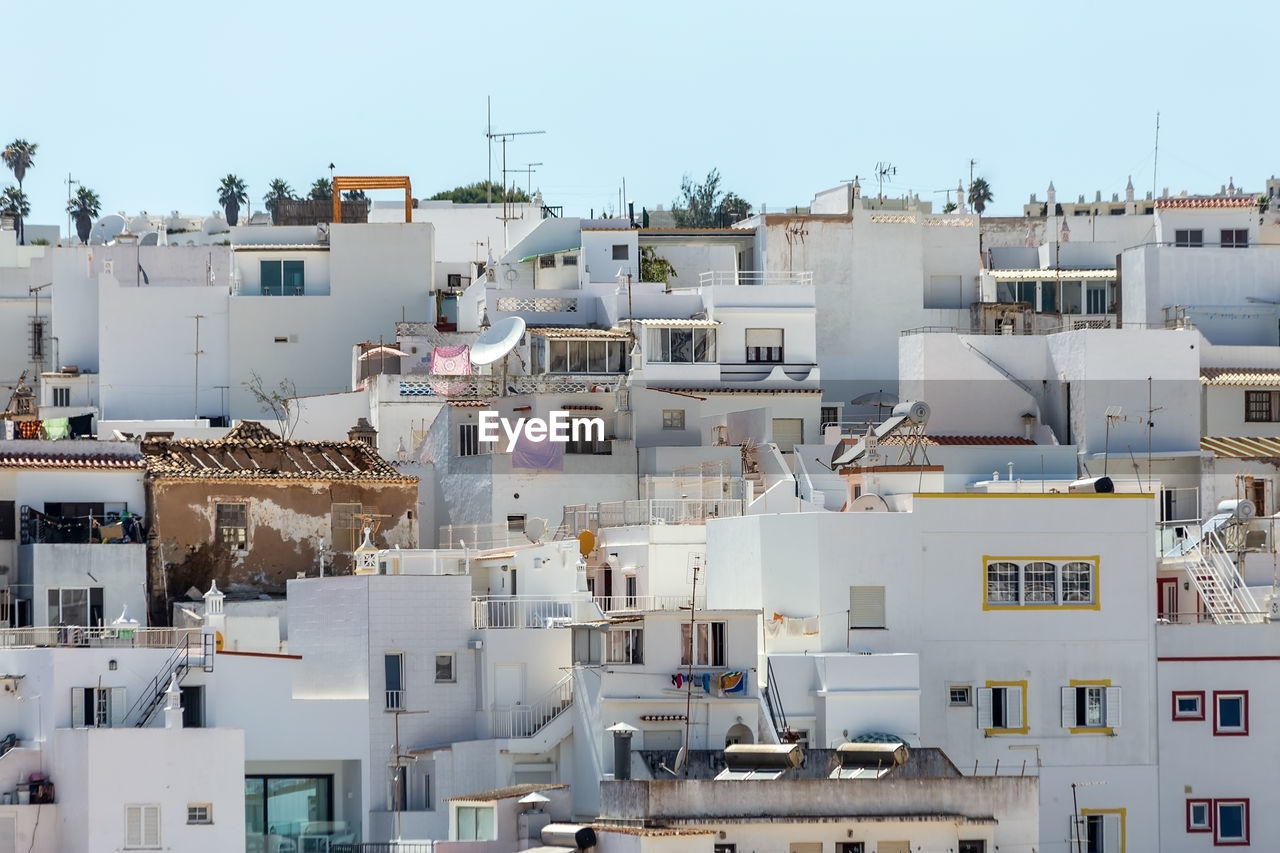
(1167, 599)
(508, 697)
(787, 433)
(515, 586)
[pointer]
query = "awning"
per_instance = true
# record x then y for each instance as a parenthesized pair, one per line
(549, 252)
(680, 323)
(1054, 275)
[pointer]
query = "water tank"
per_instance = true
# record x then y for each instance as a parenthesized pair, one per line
(1098, 485)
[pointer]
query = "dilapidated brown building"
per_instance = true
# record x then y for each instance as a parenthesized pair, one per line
(252, 510)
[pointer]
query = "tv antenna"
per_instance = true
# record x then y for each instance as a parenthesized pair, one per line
(491, 135)
(884, 170)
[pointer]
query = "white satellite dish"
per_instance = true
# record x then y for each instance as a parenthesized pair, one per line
(495, 342)
(535, 528)
(868, 503)
(151, 238)
(108, 227)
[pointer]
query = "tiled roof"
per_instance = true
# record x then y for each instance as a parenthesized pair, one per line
(506, 793)
(81, 461)
(1257, 376)
(1042, 274)
(1188, 201)
(960, 440)
(1260, 447)
(571, 332)
(253, 452)
(732, 390)
(678, 322)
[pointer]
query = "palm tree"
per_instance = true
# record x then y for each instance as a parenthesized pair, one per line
(279, 190)
(19, 155)
(13, 201)
(322, 190)
(979, 195)
(84, 207)
(354, 195)
(232, 193)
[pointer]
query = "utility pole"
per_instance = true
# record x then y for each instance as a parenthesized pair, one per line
(198, 352)
(491, 135)
(69, 183)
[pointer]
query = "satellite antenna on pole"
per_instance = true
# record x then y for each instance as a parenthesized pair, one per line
(491, 135)
(884, 169)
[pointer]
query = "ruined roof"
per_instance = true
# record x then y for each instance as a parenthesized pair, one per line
(1189, 201)
(250, 451)
(506, 793)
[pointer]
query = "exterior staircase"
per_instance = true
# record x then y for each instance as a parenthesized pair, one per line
(153, 695)
(1219, 584)
(530, 727)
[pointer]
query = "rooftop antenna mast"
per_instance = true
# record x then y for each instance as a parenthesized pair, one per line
(491, 135)
(884, 170)
(1155, 168)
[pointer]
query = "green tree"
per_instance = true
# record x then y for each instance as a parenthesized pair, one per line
(949, 207)
(481, 192)
(705, 205)
(232, 192)
(654, 267)
(277, 402)
(13, 201)
(979, 195)
(83, 207)
(277, 191)
(20, 155)
(321, 190)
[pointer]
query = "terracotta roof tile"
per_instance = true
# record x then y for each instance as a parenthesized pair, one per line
(1202, 201)
(1255, 376)
(99, 461)
(961, 440)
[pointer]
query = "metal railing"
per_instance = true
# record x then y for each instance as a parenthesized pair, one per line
(664, 511)
(624, 603)
(488, 387)
(153, 694)
(96, 638)
(477, 537)
(529, 611)
(753, 278)
(383, 847)
(528, 720)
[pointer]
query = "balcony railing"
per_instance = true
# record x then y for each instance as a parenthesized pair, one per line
(749, 278)
(41, 529)
(529, 611)
(97, 638)
(580, 517)
(488, 387)
(476, 537)
(632, 603)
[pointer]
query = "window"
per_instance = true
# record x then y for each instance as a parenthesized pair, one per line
(393, 666)
(1235, 238)
(710, 643)
(1100, 830)
(1188, 237)
(1261, 406)
(828, 415)
(1231, 822)
(624, 645)
(273, 804)
(547, 262)
(959, 696)
(1002, 707)
(468, 440)
(62, 396)
(515, 523)
(475, 823)
(98, 707)
(233, 526)
(1040, 583)
(1090, 707)
(866, 607)
(974, 846)
(1199, 815)
(1230, 713)
(569, 261)
(8, 520)
(586, 356)
(199, 812)
(764, 345)
(444, 668)
(282, 278)
(141, 826)
(1188, 705)
(620, 252)
(851, 847)
(75, 605)
(345, 523)
(733, 848)
(673, 418)
(682, 345)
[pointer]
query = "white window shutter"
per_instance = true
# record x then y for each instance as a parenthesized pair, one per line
(118, 708)
(1113, 707)
(1013, 707)
(1068, 707)
(77, 707)
(984, 707)
(1111, 840)
(866, 607)
(133, 826)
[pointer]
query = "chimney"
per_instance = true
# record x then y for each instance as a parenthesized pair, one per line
(173, 706)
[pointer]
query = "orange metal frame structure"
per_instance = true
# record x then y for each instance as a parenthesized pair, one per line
(385, 182)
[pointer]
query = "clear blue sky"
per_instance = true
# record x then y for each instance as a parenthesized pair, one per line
(151, 105)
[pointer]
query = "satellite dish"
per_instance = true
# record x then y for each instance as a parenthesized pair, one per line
(535, 528)
(495, 342)
(140, 223)
(681, 757)
(213, 224)
(108, 227)
(151, 238)
(868, 503)
(586, 542)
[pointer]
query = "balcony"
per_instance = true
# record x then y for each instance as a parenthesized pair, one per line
(530, 611)
(41, 529)
(98, 638)
(580, 517)
(642, 603)
(753, 278)
(489, 387)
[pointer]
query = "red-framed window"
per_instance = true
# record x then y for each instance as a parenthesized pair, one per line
(1231, 822)
(1199, 815)
(1230, 713)
(1188, 705)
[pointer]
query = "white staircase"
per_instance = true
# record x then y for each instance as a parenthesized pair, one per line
(1219, 584)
